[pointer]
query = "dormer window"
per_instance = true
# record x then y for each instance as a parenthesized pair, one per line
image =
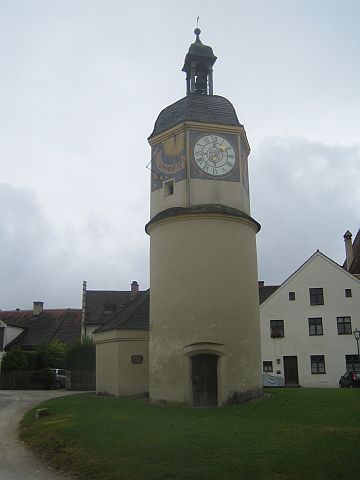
(109, 308)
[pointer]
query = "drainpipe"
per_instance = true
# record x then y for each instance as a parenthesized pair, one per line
(83, 310)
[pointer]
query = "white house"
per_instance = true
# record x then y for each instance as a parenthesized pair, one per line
(307, 325)
(8, 333)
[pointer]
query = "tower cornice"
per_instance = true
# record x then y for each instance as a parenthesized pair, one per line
(201, 211)
(201, 126)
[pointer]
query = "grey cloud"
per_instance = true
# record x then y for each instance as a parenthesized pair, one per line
(41, 262)
(305, 195)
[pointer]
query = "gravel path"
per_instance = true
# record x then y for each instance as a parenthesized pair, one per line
(16, 462)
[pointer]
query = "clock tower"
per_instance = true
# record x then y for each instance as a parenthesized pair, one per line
(204, 310)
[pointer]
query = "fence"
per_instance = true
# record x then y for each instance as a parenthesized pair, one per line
(44, 380)
(81, 380)
(27, 380)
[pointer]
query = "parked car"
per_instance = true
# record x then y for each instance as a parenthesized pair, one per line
(60, 377)
(350, 380)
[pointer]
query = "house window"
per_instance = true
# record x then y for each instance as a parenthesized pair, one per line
(316, 296)
(277, 328)
(2, 336)
(352, 363)
(267, 366)
(317, 364)
(344, 325)
(315, 326)
(168, 188)
(291, 295)
(348, 292)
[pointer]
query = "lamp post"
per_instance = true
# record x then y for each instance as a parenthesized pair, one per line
(356, 334)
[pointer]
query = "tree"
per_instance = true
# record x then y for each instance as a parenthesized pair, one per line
(52, 355)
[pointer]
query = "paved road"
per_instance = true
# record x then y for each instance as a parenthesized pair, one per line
(16, 462)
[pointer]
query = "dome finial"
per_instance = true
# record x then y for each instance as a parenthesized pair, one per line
(197, 31)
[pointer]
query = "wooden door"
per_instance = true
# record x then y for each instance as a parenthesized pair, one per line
(291, 371)
(204, 380)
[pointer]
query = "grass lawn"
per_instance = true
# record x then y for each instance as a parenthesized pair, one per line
(291, 434)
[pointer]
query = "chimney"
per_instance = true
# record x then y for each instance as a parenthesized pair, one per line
(261, 283)
(348, 249)
(134, 289)
(38, 308)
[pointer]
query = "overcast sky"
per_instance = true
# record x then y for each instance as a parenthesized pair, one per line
(81, 85)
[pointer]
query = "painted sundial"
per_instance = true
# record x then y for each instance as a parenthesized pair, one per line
(168, 161)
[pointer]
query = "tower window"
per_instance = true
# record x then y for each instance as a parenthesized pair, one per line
(168, 188)
(348, 292)
(316, 296)
(344, 325)
(109, 308)
(277, 328)
(317, 363)
(291, 295)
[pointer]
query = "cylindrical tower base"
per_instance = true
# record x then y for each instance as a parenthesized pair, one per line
(204, 307)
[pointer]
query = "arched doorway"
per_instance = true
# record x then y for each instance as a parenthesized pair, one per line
(204, 379)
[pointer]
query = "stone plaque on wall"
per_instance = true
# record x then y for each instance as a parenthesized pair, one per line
(137, 359)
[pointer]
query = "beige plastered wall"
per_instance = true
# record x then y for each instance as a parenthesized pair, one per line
(115, 373)
(204, 299)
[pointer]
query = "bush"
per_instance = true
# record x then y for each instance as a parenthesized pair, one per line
(81, 355)
(14, 360)
(52, 355)
(33, 360)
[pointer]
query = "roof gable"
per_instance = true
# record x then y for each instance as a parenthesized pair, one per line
(316, 257)
(134, 316)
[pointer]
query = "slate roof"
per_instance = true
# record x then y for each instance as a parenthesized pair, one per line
(199, 53)
(100, 305)
(134, 316)
(63, 325)
(196, 108)
(265, 291)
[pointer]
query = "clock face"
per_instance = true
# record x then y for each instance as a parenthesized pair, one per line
(214, 155)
